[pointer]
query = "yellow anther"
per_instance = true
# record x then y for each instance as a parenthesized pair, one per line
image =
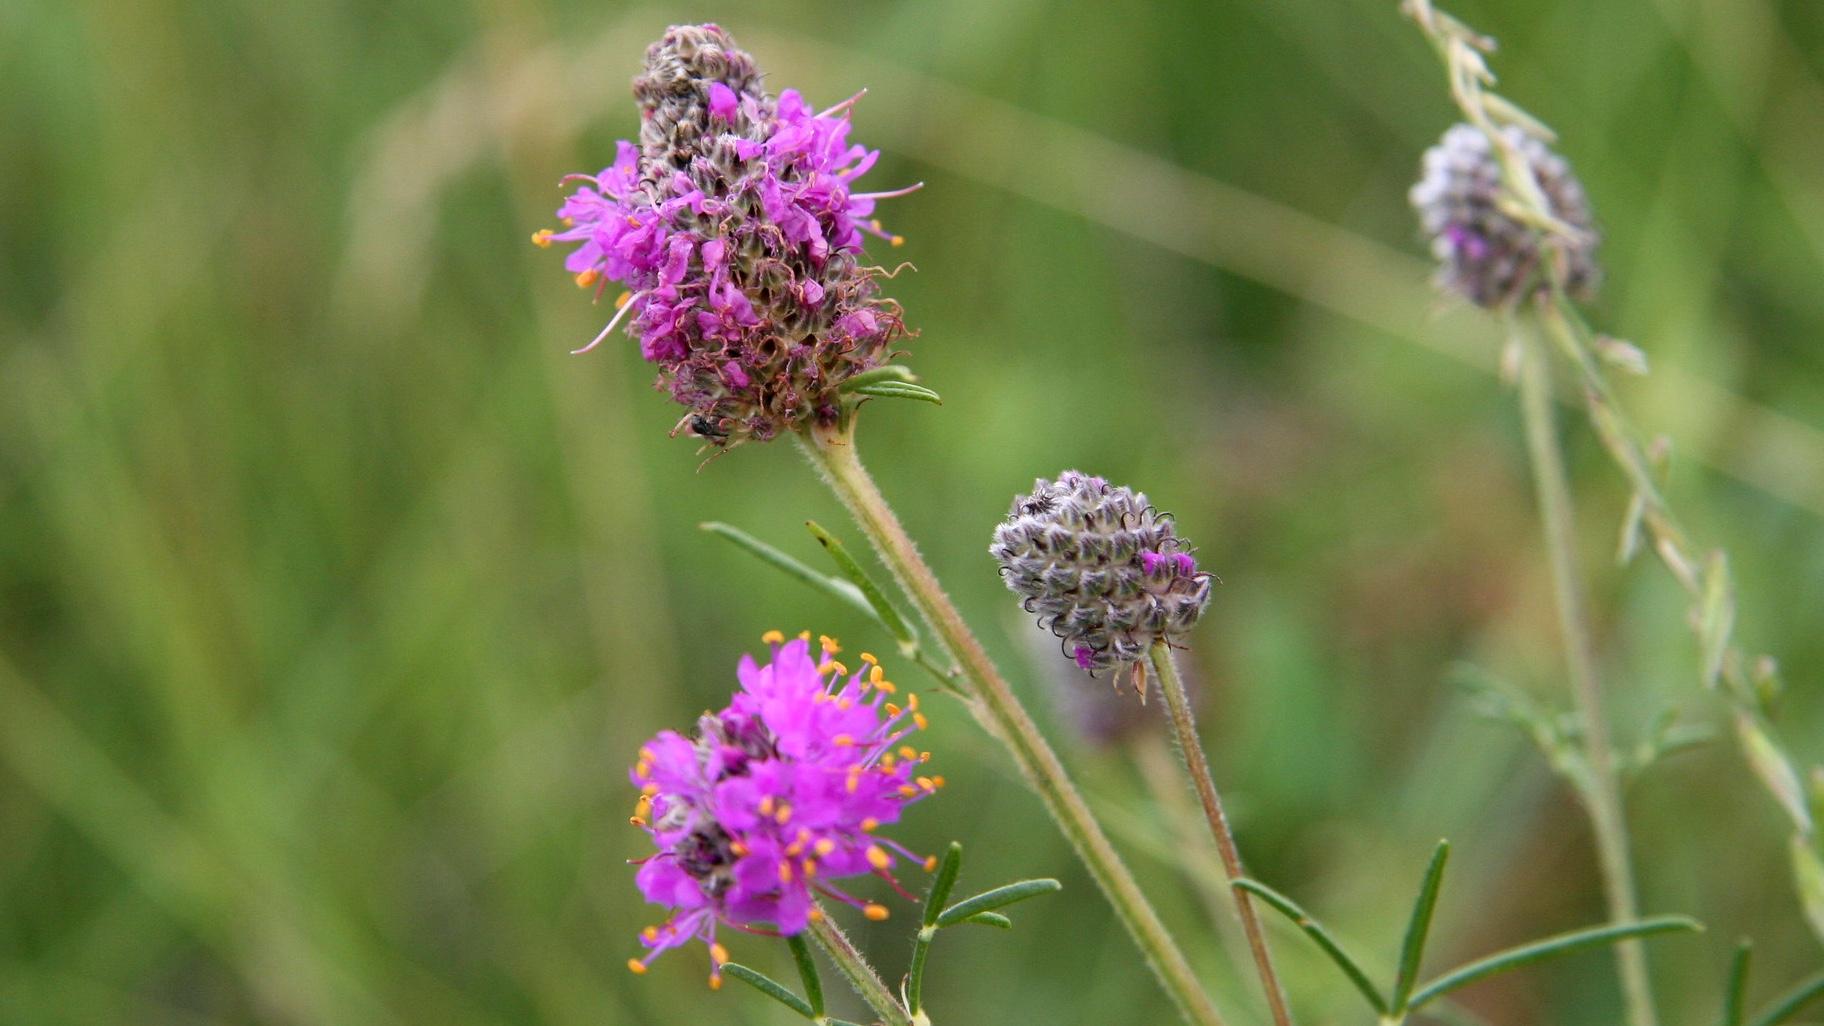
(892, 710)
(643, 770)
(908, 752)
(637, 967)
(810, 868)
(886, 687)
(785, 872)
(649, 790)
(766, 805)
(636, 821)
(784, 815)
(623, 299)
(908, 791)
(924, 757)
(897, 240)
(718, 953)
(844, 704)
(927, 783)
(647, 754)
(737, 848)
(842, 741)
(868, 825)
(824, 847)
(930, 863)
(829, 644)
(878, 913)
(887, 762)
(875, 675)
(938, 780)
(588, 278)
(715, 981)
(854, 781)
(878, 857)
(773, 638)
(804, 635)
(874, 224)
(816, 915)
(542, 238)
(912, 702)
(868, 657)
(651, 933)
(918, 720)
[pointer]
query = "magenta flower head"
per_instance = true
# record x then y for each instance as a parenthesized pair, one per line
(1484, 253)
(736, 233)
(775, 797)
(1101, 569)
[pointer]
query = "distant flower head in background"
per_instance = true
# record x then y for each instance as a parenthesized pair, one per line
(1484, 254)
(775, 796)
(1101, 568)
(734, 230)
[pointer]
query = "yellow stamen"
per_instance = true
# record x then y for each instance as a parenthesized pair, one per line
(930, 863)
(868, 657)
(842, 741)
(785, 872)
(887, 762)
(635, 821)
(907, 790)
(829, 644)
(718, 953)
(804, 635)
(647, 754)
(912, 702)
(886, 686)
(773, 638)
(868, 825)
(737, 848)
(649, 790)
(878, 913)
(875, 675)
(938, 780)
(651, 933)
(908, 752)
(637, 967)
(784, 816)
(878, 858)
(542, 238)
(766, 805)
(824, 847)
(892, 710)
(897, 240)
(844, 704)
(643, 770)
(918, 719)
(854, 781)
(927, 783)
(810, 868)
(622, 300)
(588, 278)
(816, 915)
(715, 981)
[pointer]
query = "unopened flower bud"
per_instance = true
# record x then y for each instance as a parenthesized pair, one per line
(1484, 254)
(1100, 568)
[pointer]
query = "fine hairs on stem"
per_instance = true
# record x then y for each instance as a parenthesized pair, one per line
(831, 449)
(861, 976)
(1184, 728)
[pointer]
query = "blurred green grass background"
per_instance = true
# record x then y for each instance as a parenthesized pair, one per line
(335, 595)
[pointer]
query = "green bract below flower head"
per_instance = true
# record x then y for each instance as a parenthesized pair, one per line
(735, 231)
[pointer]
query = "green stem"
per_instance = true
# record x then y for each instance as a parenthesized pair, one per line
(1178, 703)
(1601, 793)
(859, 973)
(992, 702)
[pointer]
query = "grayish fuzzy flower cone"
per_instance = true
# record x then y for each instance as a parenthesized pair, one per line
(1101, 569)
(1484, 254)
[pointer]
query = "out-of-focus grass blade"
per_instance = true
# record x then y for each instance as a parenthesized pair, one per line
(835, 587)
(1789, 1004)
(807, 972)
(1412, 950)
(1551, 947)
(770, 987)
(1737, 990)
(943, 882)
(1315, 930)
(997, 898)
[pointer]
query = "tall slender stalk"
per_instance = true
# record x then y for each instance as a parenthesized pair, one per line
(832, 451)
(1600, 789)
(860, 974)
(1178, 703)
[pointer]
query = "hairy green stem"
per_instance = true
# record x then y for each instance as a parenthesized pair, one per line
(1197, 764)
(859, 973)
(1601, 791)
(992, 702)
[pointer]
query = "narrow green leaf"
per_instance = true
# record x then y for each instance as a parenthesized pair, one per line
(997, 898)
(943, 882)
(1320, 936)
(900, 390)
(835, 587)
(1412, 950)
(994, 919)
(1737, 990)
(770, 987)
(1551, 947)
(1630, 530)
(807, 972)
(889, 372)
(1789, 1004)
(1717, 619)
(884, 612)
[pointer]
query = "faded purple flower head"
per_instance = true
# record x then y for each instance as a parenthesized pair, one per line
(774, 797)
(1484, 254)
(735, 231)
(1100, 568)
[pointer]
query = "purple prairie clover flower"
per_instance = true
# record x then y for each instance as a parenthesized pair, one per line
(1485, 254)
(776, 796)
(736, 229)
(1101, 569)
